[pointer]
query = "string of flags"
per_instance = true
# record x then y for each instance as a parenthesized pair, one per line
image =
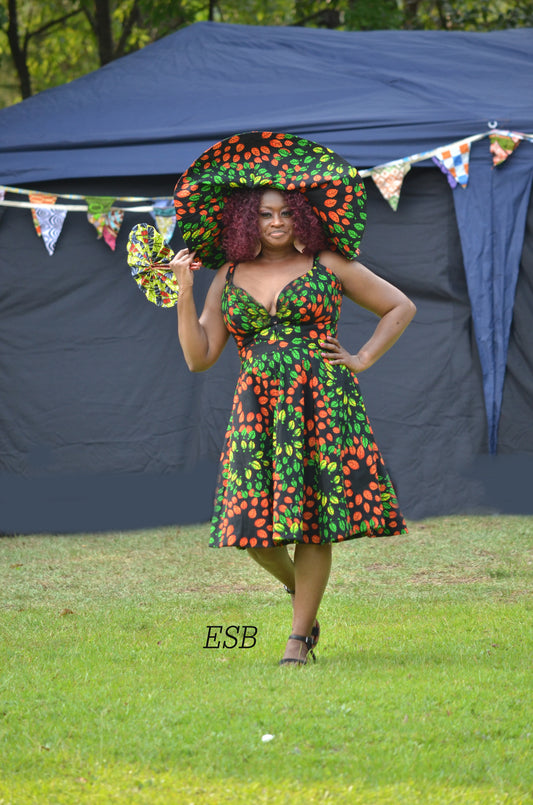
(106, 213)
(453, 160)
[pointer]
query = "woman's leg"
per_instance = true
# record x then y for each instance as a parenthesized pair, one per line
(277, 562)
(308, 575)
(312, 565)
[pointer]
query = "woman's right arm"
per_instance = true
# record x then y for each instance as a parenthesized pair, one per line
(202, 338)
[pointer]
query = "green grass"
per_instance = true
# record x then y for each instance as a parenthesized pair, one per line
(422, 693)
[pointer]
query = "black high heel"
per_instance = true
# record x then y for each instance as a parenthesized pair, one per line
(292, 660)
(315, 631)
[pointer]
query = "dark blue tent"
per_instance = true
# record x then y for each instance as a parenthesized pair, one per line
(374, 97)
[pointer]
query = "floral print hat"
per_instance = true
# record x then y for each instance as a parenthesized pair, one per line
(264, 159)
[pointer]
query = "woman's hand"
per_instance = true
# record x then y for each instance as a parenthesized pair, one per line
(335, 353)
(183, 264)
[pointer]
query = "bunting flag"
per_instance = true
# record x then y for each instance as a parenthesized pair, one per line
(455, 159)
(106, 214)
(51, 222)
(502, 146)
(164, 216)
(99, 205)
(106, 221)
(451, 180)
(47, 218)
(389, 180)
(38, 200)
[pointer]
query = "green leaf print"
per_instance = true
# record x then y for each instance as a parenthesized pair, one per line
(321, 469)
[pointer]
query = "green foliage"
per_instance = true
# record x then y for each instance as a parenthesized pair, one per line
(59, 51)
(472, 15)
(378, 15)
(254, 12)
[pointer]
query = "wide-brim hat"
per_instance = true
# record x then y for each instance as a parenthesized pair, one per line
(264, 159)
(148, 258)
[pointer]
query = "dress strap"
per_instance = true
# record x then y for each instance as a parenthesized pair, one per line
(231, 271)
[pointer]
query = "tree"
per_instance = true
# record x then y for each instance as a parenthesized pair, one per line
(46, 42)
(25, 24)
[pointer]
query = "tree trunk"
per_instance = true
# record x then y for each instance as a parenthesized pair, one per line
(103, 30)
(18, 53)
(411, 13)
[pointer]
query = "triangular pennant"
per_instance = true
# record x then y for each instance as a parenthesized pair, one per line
(99, 205)
(106, 221)
(456, 158)
(502, 146)
(38, 200)
(389, 180)
(164, 204)
(164, 216)
(452, 181)
(112, 226)
(51, 223)
(108, 225)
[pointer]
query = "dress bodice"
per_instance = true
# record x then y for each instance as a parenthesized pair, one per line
(307, 307)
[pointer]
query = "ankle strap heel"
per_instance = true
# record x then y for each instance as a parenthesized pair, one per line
(308, 642)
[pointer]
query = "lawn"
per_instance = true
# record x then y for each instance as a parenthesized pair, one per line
(422, 693)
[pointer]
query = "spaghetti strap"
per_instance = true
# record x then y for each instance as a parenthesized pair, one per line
(231, 271)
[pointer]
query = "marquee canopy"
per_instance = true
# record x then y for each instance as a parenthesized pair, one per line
(372, 96)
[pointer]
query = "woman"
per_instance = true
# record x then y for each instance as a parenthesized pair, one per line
(299, 465)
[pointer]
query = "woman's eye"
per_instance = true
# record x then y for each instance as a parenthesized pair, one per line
(287, 213)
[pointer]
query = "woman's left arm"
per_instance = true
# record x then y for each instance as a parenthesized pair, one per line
(394, 308)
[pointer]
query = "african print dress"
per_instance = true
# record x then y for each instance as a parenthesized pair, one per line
(299, 462)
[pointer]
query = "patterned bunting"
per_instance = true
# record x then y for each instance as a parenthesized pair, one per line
(455, 159)
(107, 221)
(502, 146)
(164, 216)
(451, 180)
(38, 200)
(99, 205)
(48, 220)
(51, 222)
(452, 160)
(389, 180)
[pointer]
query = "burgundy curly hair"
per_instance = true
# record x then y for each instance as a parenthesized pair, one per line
(240, 223)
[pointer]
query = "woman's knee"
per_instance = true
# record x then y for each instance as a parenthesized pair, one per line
(269, 556)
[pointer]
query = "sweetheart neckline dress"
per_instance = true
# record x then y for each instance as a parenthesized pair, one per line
(299, 462)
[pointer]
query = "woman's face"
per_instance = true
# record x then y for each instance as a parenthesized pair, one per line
(275, 220)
